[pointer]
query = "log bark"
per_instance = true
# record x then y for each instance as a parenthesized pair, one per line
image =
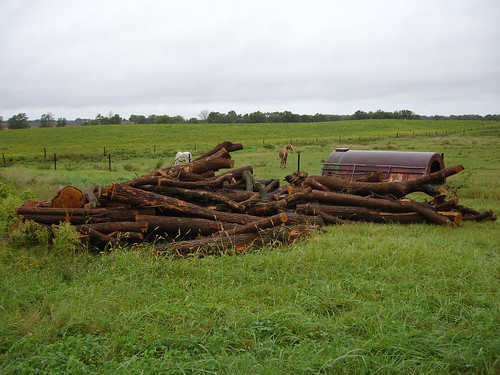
(198, 194)
(124, 193)
(201, 183)
(121, 226)
(332, 219)
(398, 189)
(256, 225)
(221, 159)
(238, 242)
(98, 238)
(80, 215)
(361, 214)
(182, 225)
(229, 146)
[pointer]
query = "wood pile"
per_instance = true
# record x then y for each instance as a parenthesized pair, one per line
(188, 209)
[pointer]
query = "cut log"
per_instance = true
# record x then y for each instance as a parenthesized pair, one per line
(69, 197)
(124, 193)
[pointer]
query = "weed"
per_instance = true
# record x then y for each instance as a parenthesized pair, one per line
(66, 239)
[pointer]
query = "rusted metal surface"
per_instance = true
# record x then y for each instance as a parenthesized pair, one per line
(393, 165)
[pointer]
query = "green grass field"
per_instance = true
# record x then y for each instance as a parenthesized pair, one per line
(354, 299)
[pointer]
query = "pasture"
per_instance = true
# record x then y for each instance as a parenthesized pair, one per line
(357, 299)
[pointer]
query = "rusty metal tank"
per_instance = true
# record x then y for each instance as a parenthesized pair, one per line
(394, 165)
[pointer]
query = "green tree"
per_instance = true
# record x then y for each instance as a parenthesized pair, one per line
(47, 120)
(406, 114)
(19, 121)
(115, 119)
(137, 119)
(61, 121)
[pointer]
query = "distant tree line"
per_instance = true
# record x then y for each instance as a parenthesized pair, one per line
(21, 121)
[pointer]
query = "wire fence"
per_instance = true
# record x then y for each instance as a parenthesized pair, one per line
(109, 155)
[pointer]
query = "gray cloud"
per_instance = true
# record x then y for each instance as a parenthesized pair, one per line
(79, 58)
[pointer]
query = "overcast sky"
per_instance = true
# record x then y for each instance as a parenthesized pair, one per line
(78, 58)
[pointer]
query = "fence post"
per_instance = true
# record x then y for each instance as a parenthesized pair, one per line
(55, 162)
(298, 162)
(45, 153)
(109, 161)
(3, 157)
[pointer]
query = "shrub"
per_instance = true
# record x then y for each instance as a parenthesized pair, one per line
(66, 239)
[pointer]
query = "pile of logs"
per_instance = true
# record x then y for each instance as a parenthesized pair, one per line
(188, 209)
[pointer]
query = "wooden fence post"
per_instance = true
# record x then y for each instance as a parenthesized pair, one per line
(55, 162)
(109, 161)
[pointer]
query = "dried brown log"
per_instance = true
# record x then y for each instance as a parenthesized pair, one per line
(398, 189)
(370, 177)
(483, 216)
(256, 225)
(239, 242)
(120, 226)
(273, 185)
(221, 159)
(236, 195)
(444, 205)
(99, 238)
(311, 220)
(229, 146)
(360, 213)
(428, 212)
(49, 215)
(272, 207)
(201, 183)
(315, 185)
(127, 236)
(124, 193)
(351, 200)
(198, 194)
(455, 217)
(332, 219)
(183, 225)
